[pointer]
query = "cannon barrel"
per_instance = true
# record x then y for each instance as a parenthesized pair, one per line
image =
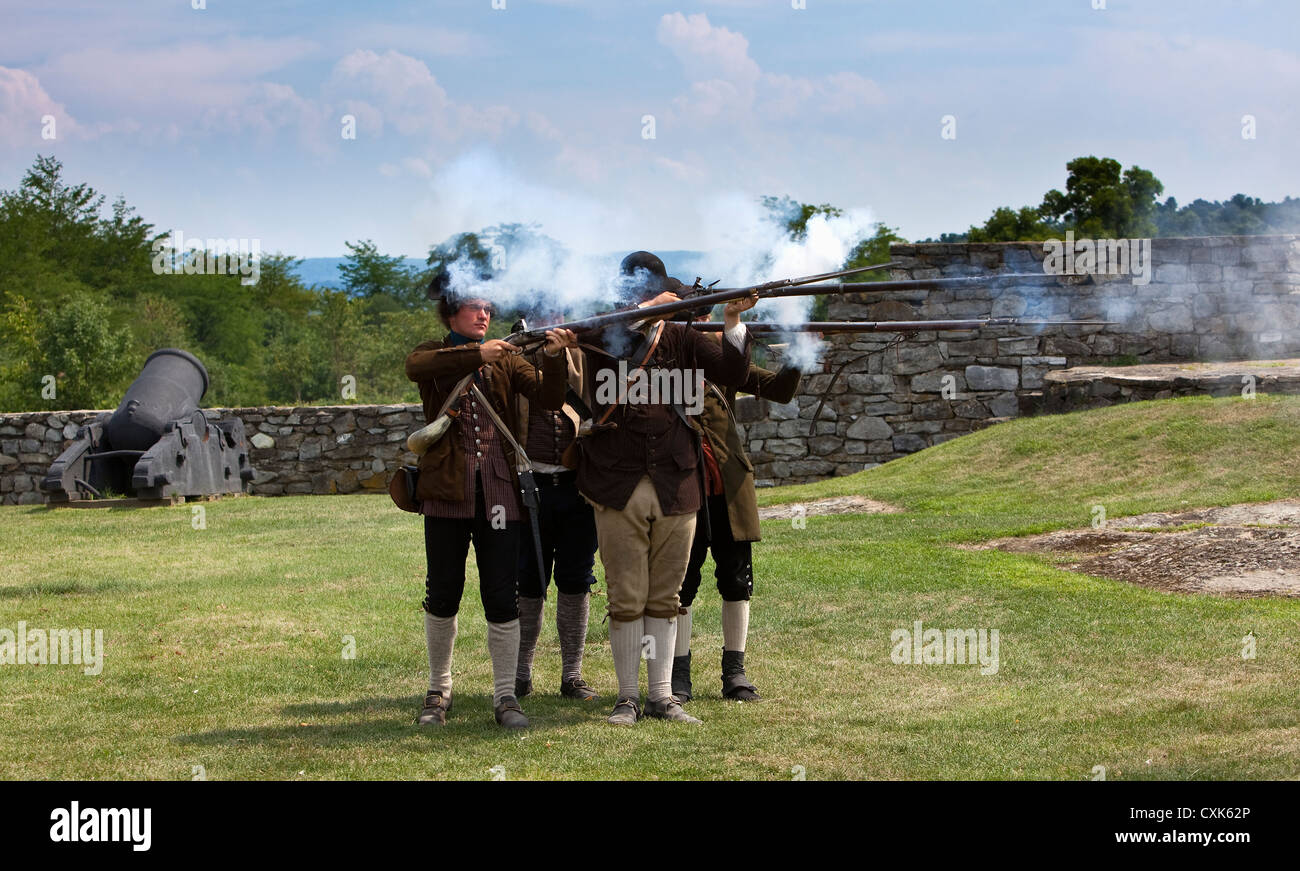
(169, 387)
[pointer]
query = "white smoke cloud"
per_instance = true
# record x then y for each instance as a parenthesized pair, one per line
(748, 244)
(744, 244)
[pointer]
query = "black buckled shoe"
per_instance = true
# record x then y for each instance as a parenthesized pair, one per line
(578, 689)
(510, 715)
(682, 678)
(434, 712)
(735, 685)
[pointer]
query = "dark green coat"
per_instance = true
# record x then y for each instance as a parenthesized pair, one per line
(718, 422)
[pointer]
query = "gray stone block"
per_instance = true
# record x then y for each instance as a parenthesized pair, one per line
(1006, 405)
(863, 384)
(869, 429)
(908, 443)
(992, 378)
(1170, 273)
(1016, 346)
(913, 359)
(783, 411)
(1171, 319)
(938, 380)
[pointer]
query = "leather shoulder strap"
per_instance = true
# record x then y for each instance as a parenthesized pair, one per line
(649, 346)
(521, 457)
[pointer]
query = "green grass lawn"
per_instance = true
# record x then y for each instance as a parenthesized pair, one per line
(224, 645)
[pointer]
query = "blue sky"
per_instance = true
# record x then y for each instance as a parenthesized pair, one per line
(225, 121)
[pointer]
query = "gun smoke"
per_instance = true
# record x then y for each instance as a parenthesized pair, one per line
(744, 243)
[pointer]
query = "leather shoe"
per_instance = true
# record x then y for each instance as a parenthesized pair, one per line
(510, 715)
(669, 709)
(578, 689)
(626, 713)
(434, 712)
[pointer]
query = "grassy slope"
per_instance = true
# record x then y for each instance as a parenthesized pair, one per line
(224, 644)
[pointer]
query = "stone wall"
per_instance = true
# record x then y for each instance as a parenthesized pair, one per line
(1213, 298)
(326, 449)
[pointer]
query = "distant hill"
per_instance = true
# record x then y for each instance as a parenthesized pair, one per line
(324, 271)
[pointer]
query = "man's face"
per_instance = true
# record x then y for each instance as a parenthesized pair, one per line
(704, 319)
(471, 320)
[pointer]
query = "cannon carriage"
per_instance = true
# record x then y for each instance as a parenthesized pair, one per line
(158, 445)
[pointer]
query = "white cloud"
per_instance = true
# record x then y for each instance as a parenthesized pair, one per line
(728, 84)
(428, 40)
(397, 89)
(23, 104)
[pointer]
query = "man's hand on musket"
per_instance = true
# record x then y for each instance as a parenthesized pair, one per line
(557, 340)
(495, 349)
(731, 311)
(666, 296)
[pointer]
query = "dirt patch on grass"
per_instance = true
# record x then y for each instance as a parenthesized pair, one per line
(1240, 550)
(833, 505)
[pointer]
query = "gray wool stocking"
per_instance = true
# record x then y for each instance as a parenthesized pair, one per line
(571, 615)
(440, 635)
(625, 639)
(659, 669)
(503, 647)
(735, 625)
(530, 627)
(683, 645)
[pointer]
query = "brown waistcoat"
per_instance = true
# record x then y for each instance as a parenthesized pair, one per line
(652, 438)
(437, 368)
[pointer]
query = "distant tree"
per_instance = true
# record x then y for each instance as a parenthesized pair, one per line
(1099, 202)
(1012, 225)
(370, 275)
(161, 324)
(873, 250)
(795, 215)
(87, 355)
(1239, 216)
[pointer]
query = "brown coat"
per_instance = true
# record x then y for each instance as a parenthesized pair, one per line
(719, 425)
(577, 362)
(652, 438)
(437, 368)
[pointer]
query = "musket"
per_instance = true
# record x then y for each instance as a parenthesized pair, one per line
(893, 326)
(665, 310)
(912, 284)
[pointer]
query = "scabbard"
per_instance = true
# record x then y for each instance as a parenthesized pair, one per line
(531, 498)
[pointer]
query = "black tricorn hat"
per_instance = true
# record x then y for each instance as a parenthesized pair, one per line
(440, 286)
(653, 279)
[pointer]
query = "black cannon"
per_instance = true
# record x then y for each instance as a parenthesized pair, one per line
(158, 444)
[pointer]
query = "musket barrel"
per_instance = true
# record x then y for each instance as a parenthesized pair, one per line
(892, 326)
(668, 309)
(806, 286)
(911, 284)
